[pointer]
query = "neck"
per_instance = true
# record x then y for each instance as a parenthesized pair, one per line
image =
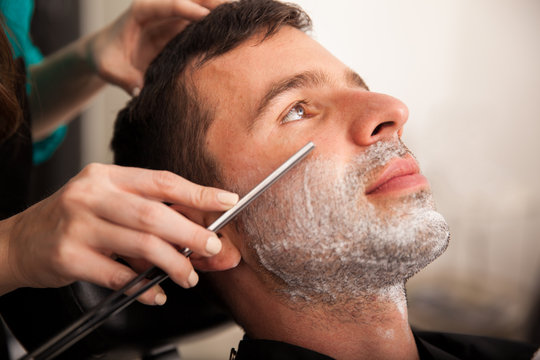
(374, 326)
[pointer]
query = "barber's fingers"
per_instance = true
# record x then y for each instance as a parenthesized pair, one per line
(151, 10)
(211, 4)
(229, 256)
(152, 217)
(139, 265)
(195, 215)
(130, 79)
(134, 244)
(169, 187)
(204, 218)
(108, 273)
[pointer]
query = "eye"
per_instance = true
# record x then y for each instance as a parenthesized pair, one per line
(297, 112)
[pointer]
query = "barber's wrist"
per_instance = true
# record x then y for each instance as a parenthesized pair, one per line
(89, 51)
(8, 281)
(109, 62)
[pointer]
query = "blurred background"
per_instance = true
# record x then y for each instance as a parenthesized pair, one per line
(469, 72)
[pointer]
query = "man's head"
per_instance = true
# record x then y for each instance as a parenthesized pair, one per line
(165, 127)
(353, 219)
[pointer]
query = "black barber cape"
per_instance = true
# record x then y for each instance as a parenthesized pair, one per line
(431, 346)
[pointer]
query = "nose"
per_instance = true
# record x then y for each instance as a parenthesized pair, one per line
(375, 117)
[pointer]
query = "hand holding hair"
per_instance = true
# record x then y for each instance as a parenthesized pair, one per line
(117, 54)
(122, 51)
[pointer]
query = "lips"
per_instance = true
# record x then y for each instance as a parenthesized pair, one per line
(401, 174)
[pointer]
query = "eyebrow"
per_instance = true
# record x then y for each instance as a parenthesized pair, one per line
(303, 80)
(354, 79)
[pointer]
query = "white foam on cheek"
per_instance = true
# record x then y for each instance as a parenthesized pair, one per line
(317, 232)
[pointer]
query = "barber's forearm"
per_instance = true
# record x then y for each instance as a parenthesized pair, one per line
(62, 85)
(7, 282)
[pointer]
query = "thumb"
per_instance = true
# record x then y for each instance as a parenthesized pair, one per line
(131, 80)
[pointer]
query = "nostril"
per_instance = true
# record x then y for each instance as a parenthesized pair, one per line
(381, 126)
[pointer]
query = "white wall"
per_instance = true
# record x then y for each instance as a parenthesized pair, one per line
(469, 72)
(98, 120)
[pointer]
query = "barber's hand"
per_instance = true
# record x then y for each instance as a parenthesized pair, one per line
(122, 51)
(107, 211)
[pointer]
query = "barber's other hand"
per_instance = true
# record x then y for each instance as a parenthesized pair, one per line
(122, 51)
(107, 211)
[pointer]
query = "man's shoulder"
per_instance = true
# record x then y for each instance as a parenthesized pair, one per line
(437, 345)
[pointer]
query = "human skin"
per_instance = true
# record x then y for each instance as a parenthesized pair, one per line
(103, 212)
(108, 211)
(118, 54)
(342, 117)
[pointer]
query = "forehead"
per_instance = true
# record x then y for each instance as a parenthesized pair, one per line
(233, 85)
(235, 81)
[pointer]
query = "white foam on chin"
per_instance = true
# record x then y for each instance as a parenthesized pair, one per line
(319, 234)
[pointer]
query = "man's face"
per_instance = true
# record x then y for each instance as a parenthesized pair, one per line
(269, 99)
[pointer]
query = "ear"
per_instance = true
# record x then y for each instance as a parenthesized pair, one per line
(229, 256)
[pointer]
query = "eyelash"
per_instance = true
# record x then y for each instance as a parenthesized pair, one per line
(301, 104)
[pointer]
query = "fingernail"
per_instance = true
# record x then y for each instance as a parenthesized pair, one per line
(136, 91)
(227, 198)
(213, 245)
(193, 278)
(237, 263)
(160, 299)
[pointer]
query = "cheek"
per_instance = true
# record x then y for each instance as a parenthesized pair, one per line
(231, 150)
(244, 164)
(333, 145)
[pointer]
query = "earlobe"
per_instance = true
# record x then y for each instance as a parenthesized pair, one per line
(229, 257)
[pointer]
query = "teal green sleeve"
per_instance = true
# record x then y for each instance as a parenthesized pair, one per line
(44, 149)
(18, 15)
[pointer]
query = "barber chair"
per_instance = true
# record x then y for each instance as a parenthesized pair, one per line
(139, 331)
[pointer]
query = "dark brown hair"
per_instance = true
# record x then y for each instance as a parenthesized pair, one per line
(165, 126)
(10, 77)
